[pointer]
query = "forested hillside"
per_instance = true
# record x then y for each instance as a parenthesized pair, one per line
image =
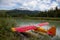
(27, 13)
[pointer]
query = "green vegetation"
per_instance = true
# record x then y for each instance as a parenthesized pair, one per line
(5, 29)
(26, 13)
(6, 34)
(7, 22)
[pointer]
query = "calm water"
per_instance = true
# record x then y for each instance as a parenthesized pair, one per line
(31, 22)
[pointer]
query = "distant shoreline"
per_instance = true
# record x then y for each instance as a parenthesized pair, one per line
(36, 18)
(40, 18)
(46, 18)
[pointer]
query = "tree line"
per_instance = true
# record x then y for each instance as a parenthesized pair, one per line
(27, 13)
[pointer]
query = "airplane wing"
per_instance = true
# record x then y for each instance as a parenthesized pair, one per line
(26, 28)
(43, 24)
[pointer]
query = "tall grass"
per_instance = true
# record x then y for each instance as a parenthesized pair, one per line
(6, 34)
(5, 29)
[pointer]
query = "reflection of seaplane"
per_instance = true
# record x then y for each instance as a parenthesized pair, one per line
(36, 28)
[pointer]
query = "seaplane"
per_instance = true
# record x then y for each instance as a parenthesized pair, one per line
(36, 28)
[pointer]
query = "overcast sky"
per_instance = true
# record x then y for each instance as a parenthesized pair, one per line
(29, 4)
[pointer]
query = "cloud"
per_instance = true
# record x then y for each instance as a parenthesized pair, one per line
(58, 0)
(46, 1)
(41, 5)
(29, 4)
(6, 4)
(54, 4)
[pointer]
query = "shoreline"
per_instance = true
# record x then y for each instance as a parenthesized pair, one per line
(35, 18)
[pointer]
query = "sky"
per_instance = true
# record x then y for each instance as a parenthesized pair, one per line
(41, 5)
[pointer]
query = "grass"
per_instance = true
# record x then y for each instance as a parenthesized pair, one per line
(6, 34)
(5, 29)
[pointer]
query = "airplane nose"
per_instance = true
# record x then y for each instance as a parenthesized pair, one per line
(13, 29)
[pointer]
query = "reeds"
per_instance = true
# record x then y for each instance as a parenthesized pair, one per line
(6, 34)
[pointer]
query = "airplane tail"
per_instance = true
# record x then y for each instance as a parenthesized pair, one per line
(52, 31)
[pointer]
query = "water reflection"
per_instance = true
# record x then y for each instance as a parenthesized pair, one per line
(31, 22)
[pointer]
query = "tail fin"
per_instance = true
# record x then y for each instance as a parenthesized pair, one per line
(52, 31)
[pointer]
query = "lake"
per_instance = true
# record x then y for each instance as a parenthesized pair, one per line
(21, 22)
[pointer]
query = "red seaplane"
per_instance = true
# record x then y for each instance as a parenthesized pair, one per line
(36, 28)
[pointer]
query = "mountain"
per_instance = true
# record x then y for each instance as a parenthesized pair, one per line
(22, 12)
(29, 13)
